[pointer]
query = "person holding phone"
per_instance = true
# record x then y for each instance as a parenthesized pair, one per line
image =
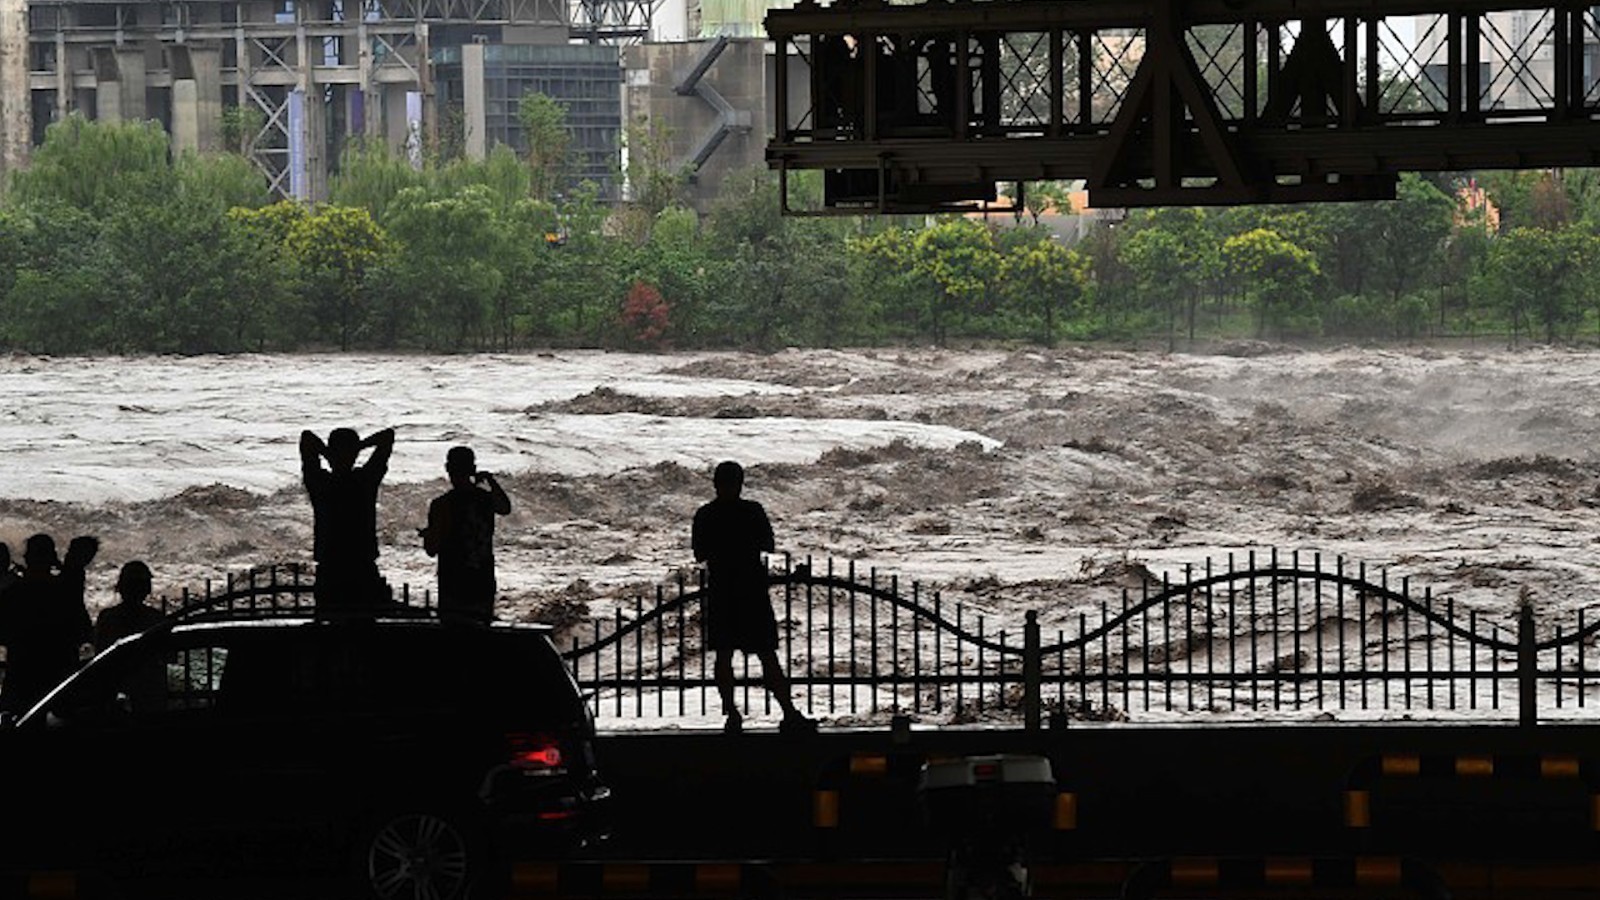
(460, 534)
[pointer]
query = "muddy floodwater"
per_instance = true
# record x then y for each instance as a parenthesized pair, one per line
(1008, 479)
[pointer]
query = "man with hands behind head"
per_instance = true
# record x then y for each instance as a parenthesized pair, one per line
(344, 501)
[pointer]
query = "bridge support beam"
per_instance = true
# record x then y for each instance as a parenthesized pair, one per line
(928, 108)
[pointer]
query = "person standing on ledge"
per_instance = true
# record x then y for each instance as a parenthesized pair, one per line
(344, 503)
(729, 536)
(460, 533)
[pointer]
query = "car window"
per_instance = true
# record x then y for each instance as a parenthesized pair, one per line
(194, 677)
(159, 676)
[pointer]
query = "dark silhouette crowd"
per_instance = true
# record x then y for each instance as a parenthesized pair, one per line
(44, 622)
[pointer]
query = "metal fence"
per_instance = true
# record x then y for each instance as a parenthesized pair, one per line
(1254, 635)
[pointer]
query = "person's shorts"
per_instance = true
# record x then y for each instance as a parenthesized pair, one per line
(741, 621)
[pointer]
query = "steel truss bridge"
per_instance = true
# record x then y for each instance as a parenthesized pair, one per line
(929, 107)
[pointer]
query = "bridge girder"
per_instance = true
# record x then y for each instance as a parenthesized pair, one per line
(930, 107)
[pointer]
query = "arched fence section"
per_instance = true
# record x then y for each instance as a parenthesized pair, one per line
(1254, 635)
(856, 644)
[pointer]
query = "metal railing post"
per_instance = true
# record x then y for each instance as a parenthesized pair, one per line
(1032, 673)
(1527, 669)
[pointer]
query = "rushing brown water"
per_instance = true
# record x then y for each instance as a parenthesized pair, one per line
(1009, 478)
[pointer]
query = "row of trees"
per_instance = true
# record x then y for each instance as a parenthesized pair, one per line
(110, 243)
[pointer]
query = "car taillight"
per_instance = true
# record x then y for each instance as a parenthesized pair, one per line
(535, 752)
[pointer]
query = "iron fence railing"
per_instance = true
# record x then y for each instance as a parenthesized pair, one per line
(1252, 635)
(1256, 635)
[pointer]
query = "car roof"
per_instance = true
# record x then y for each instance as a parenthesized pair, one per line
(279, 623)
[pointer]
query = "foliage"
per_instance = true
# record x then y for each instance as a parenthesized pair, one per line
(97, 166)
(1047, 281)
(334, 248)
(1543, 278)
(645, 315)
(240, 127)
(1278, 275)
(544, 128)
(110, 243)
(369, 175)
(655, 182)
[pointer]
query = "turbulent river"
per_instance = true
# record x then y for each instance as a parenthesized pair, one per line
(1008, 479)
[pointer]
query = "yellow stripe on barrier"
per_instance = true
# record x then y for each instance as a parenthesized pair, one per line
(535, 878)
(1195, 872)
(825, 809)
(1558, 767)
(869, 764)
(1402, 765)
(53, 885)
(1066, 818)
(717, 878)
(1292, 870)
(633, 879)
(1474, 766)
(1358, 809)
(1377, 870)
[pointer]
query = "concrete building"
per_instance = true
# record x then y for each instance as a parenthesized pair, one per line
(290, 80)
(1516, 49)
(711, 100)
(486, 81)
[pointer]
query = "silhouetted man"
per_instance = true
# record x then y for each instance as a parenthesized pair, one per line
(460, 533)
(344, 501)
(729, 536)
(131, 616)
(43, 621)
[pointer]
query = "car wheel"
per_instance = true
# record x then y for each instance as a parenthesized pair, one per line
(419, 854)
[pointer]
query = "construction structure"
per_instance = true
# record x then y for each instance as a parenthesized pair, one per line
(930, 107)
(291, 82)
(14, 128)
(709, 99)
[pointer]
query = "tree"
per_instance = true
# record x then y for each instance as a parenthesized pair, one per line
(335, 247)
(591, 266)
(655, 181)
(97, 166)
(1411, 233)
(241, 125)
(1047, 276)
(1172, 254)
(450, 245)
(174, 299)
(1543, 277)
(59, 284)
(549, 141)
(370, 175)
(957, 258)
(645, 315)
(222, 181)
(1278, 274)
(501, 173)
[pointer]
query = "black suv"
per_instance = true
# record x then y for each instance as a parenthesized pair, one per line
(417, 755)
